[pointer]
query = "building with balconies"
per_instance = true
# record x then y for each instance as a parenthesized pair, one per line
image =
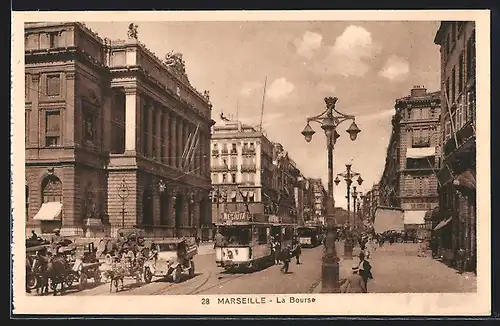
(455, 225)
(320, 196)
(409, 179)
(242, 169)
(115, 136)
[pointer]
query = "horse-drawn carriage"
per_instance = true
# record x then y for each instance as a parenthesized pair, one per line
(133, 238)
(84, 265)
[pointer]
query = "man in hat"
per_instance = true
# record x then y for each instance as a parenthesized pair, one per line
(365, 269)
(286, 256)
(354, 282)
(56, 240)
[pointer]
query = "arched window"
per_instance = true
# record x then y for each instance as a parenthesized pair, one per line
(51, 189)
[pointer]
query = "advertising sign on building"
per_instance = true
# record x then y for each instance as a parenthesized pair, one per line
(232, 217)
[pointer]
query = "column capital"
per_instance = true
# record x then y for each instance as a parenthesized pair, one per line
(70, 75)
(131, 91)
(35, 77)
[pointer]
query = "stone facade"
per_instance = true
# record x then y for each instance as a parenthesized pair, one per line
(100, 114)
(409, 180)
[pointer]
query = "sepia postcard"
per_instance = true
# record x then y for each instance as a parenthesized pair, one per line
(251, 163)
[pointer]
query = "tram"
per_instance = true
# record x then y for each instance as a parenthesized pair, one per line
(247, 239)
(310, 235)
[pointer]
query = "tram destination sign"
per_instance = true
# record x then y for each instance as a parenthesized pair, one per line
(231, 217)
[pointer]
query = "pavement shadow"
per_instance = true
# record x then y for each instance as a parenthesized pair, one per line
(73, 289)
(168, 279)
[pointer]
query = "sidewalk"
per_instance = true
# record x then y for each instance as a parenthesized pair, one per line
(398, 269)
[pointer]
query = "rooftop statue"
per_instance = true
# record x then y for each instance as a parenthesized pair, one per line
(174, 60)
(132, 31)
(206, 95)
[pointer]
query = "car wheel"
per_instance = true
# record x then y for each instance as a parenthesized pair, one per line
(191, 269)
(177, 273)
(148, 276)
(32, 281)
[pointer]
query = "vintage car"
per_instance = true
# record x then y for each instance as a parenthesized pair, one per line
(171, 257)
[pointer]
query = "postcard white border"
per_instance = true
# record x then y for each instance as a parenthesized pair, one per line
(326, 304)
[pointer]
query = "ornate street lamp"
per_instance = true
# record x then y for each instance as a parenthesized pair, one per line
(123, 194)
(330, 120)
(348, 175)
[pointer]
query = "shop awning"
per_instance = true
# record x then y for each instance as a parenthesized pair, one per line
(466, 179)
(414, 217)
(442, 224)
(50, 211)
(420, 152)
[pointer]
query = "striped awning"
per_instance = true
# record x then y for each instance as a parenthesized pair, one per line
(49, 211)
(420, 152)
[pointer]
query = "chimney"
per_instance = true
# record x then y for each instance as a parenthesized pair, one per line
(418, 91)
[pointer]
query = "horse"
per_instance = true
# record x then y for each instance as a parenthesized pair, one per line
(53, 270)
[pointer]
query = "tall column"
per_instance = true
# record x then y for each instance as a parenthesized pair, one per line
(166, 139)
(150, 111)
(180, 142)
(131, 102)
(173, 141)
(158, 142)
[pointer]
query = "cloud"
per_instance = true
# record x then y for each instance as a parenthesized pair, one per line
(308, 44)
(395, 68)
(351, 52)
(377, 115)
(249, 88)
(280, 88)
(326, 89)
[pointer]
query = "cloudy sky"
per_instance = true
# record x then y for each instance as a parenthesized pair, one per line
(367, 65)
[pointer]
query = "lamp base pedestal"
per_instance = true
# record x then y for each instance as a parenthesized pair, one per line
(330, 275)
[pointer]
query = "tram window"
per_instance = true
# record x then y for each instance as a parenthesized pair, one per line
(304, 232)
(236, 235)
(262, 235)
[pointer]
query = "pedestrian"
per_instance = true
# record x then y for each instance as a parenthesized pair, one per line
(285, 258)
(297, 251)
(198, 240)
(219, 239)
(354, 282)
(365, 269)
(274, 252)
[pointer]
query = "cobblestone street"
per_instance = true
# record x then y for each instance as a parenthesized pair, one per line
(397, 269)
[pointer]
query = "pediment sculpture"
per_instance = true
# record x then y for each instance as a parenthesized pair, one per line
(174, 60)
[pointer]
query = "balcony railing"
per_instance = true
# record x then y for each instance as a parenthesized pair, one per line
(225, 152)
(234, 151)
(421, 142)
(248, 150)
(248, 167)
(219, 168)
(215, 152)
(233, 167)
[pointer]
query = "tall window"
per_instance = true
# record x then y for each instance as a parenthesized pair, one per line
(233, 161)
(471, 57)
(118, 124)
(53, 85)
(233, 177)
(453, 84)
(251, 177)
(52, 128)
(154, 151)
(233, 149)
(224, 178)
(215, 178)
(460, 73)
(448, 90)
(145, 130)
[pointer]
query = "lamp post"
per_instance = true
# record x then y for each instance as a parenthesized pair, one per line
(329, 120)
(354, 208)
(348, 176)
(123, 194)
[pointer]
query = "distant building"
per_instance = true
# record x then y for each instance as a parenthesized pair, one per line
(107, 123)
(455, 225)
(320, 196)
(409, 179)
(251, 172)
